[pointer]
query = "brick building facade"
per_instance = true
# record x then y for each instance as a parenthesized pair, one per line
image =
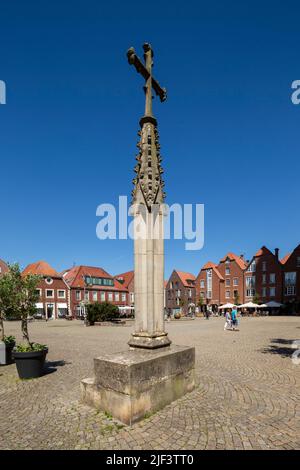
(180, 293)
(291, 279)
(232, 268)
(263, 277)
(209, 287)
(3, 267)
(54, 299)
(90, 284)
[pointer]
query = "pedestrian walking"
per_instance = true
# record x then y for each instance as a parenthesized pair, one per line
(227, 325)
(234, 321)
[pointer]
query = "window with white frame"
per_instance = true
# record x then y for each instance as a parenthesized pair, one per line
(117, 296)
(235, 281)
(250, 292)
(110, 296)
(209, 294)
(250, 281)
(95, 296)
(102, 296)
(61, 294)
(227, 282)
(227, 294)
(264, 278)
(272, 291)
(78, 295)
(272, 278)
(264, 265)
(202, 284)
(264, 292)
(86, 295)
(202, 294)
(290, 290)
(290, 278)
(49, 293)
(227, 271)
(252, 267)
(39, 292)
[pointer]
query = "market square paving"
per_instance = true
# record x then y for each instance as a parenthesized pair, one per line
(247, 394)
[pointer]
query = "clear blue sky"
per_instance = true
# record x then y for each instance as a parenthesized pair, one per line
(229, 132)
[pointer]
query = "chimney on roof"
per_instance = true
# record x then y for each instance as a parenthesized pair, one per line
(277, 253)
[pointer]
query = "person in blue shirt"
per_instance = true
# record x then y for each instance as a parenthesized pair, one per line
(234, 318)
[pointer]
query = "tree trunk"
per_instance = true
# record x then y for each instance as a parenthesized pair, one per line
(24, 327)
(1, 328)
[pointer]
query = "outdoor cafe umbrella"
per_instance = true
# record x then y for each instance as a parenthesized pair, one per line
(249, 305)
(229, 305)
(273, 304)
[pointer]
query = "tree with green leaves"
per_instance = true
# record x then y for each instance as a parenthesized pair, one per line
(18, 296)
(102, 311)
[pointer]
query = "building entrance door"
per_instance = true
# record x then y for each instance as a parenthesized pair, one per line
(50, 311)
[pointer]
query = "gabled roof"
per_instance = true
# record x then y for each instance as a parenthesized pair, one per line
(125, 278)
(185, 277)
(41, 268)
(214, 267)
(286, 258)
(241, 263)
(75, 278)
(262, 251)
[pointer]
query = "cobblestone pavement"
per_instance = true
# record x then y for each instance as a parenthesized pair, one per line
(247, 395)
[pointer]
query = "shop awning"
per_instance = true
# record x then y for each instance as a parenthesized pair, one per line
(62, 305)
(39, 305)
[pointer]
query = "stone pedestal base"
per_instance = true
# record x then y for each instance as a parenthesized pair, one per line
(138, 382)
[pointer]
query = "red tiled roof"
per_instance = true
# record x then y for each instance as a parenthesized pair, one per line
(263, 250)
(214, 267)
(285, 259)
(184, 277)
(126, 277)
(75, 278)
(242, 264)
(42, 269)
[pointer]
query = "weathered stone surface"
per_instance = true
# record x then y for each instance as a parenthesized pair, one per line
(135, 383)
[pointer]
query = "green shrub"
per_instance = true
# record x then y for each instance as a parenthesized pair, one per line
(26, 348)
(9, 340)
(103, 311)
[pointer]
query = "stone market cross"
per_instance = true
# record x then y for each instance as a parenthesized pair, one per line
(152, 372)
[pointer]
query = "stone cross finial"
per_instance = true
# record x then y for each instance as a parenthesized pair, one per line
(146, 72)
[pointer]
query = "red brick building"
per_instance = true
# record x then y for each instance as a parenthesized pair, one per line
(90, 284)
(263, 277)
(127, 281)
(209, 287)
(291, 279)
(232, 268)
(181, 293)
(3, 267)
(53, 291)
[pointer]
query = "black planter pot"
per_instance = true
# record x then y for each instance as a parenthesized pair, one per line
(9, 347)
(30, 364)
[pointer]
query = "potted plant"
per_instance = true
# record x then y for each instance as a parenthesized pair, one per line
(23, 295)
(10, 342)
